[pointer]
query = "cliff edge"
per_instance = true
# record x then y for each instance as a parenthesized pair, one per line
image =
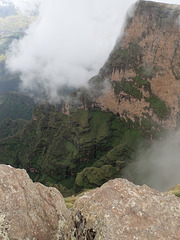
(143, 69)
(117, 210)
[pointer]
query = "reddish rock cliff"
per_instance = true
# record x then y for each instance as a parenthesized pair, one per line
(144, 67)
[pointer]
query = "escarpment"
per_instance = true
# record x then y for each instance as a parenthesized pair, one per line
(134, 96)
(143, 69)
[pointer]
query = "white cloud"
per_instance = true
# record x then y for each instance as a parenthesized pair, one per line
(26, 5)
(158, 165)
(68, 43)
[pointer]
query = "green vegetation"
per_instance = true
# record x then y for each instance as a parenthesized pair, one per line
(159, 107)
(9, 127)
(140, 82)
(131, 57)
(93, 177)
(123, 58)
(15, 105)
(175, 190)
(160, 12)
(127, 87)
(54, 148)
(126, 58)
(86, 148)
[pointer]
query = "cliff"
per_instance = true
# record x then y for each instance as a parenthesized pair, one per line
(143, 69)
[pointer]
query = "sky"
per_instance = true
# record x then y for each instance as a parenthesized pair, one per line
(68, 43)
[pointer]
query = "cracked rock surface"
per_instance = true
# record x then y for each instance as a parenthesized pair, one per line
(29, 210)
(121, 210)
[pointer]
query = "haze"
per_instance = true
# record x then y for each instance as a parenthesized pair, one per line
(67, 44)
(158, 166)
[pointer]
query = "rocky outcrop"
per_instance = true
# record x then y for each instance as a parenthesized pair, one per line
(121, 210)
(29, 210)
(117, 210)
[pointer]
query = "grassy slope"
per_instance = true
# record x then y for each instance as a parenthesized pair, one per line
(15, 105)
(69, 150)
(9, 127)
(175, 190)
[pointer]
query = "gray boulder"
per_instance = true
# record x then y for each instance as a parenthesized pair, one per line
(29, 211)
(120, 210)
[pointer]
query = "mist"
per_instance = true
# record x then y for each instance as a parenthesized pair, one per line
(25, 5)
(67, 44)
(158, 165)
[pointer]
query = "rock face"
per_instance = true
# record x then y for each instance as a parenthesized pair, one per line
(117, 210)
(122, 210)
(144, 66)
(28, 210)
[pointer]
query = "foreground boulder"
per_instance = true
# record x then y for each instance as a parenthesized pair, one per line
(120, 210)
(29, 210)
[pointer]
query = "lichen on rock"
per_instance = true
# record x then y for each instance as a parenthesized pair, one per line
(121, 210)
(4, 227)
(28, 210)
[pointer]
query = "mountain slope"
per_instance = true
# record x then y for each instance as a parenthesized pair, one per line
(15, 111)
(143, 69)
(54, 147)
(134, 96)
(15, 105)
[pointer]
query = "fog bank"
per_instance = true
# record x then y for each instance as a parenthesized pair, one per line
(67, 44)
(158, 165)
